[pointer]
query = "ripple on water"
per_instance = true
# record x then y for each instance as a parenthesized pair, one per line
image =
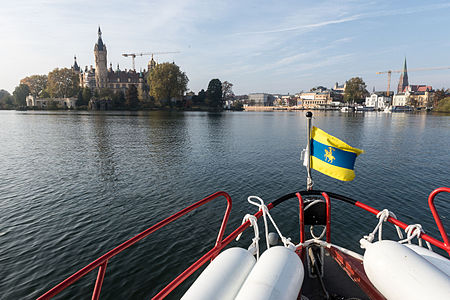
(75, 185)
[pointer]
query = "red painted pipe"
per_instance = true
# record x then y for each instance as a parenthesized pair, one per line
(301, 217)
(99, 261)
(214, 251)
(327, 200)
(436, 216)
(401, 225)
(99, 281)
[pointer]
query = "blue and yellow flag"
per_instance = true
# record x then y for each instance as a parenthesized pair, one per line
(331, 156)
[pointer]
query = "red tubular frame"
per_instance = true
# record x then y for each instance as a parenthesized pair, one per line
(437, 218)
(102, 261)
(221, 243)
(327, 200)
(214, 251)
(402, 225)
(300, 217)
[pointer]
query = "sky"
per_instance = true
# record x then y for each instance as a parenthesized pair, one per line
(258, 46)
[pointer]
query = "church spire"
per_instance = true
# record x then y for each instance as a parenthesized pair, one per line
(403, 82)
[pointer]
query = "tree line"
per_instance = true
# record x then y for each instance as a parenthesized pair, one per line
(164, 87)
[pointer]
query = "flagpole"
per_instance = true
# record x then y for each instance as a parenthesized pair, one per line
(309, 182)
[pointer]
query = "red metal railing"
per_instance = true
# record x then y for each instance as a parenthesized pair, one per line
(102, 261)
(443, 245)
(437, 218)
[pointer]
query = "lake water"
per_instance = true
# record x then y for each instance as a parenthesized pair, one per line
(73, 185)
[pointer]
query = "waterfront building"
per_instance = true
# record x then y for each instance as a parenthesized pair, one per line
(44, 103)
(320, 97)
(378, 101)
(418, 96)
(101, 76)
(260, 99)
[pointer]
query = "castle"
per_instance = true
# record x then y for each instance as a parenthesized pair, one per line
(103, 77)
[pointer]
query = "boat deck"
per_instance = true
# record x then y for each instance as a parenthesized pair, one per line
(337, 282)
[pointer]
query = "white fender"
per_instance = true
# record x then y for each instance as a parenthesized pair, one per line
(278, 275)
(439, 261)
(223, 277)
(400, 273)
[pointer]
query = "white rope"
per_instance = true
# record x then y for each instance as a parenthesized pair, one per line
(265, 211)
(382, 217)
(255, 240)
(412, 231)
(311, 230)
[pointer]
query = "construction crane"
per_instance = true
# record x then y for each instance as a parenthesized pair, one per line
(133, 55)
(410, 70)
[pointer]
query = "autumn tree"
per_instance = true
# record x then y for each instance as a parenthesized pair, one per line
(62, 83)
(167, 81)
(227, 91)
(355, 90)
(36, 83)
(214, 94)
(20, 93)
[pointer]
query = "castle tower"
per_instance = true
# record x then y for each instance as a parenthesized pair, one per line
(75, 67)
(151, 64)
(403, 82)
(101, 71)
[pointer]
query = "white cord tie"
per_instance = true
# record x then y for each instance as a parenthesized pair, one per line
(412, 231)
(255, 241)
(382, 217)
(265, 212)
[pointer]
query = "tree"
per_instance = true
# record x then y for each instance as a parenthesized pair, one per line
(355, 90)
(438, 96)
(62, 83)
(84, 96)
(36, 83)
(167, 81)
(444, 105)
(6, 100)
(201, 96)
(118, 100)
(227, 91)
(20, 93)
(131, 96)
(214, 94)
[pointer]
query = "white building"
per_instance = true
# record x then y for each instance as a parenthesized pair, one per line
(377, 102)
(43, 103)
(401, 99)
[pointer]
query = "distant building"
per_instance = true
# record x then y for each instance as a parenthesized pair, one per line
(339, 88)
(103, 77)
(44, 103)
(260, 99)
(316, 99)
(378, 101)
(419, 96)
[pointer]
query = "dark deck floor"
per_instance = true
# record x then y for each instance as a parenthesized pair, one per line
(338, 284)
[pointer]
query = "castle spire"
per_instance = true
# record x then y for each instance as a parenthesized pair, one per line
(75, 66)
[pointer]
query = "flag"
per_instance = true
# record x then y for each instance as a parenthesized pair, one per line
(331, 156)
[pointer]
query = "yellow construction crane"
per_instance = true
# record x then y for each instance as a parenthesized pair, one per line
(411, 70)
(133, 55)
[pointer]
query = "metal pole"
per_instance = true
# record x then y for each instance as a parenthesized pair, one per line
(309, 182)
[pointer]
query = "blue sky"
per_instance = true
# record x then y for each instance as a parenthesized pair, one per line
(259, 46)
